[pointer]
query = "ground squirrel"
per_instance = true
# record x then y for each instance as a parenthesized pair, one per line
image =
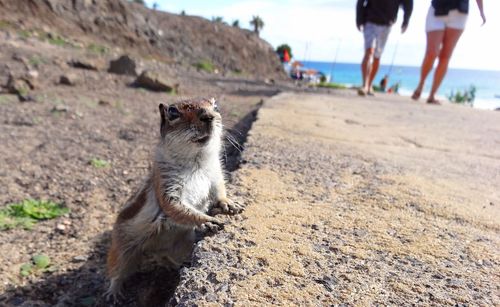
(186, 179)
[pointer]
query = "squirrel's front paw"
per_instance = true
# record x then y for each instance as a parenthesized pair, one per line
(227, 206)
(209, 228)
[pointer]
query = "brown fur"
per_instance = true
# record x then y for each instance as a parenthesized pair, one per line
(134, 205)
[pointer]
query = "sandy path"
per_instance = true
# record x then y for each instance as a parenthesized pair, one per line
(361, 202)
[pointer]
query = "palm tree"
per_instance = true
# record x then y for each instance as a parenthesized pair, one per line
(217, 19)
(257, 24)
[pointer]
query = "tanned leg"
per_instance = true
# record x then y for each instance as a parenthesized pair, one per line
(373, 73)
(434, 41)
(450, 39)
(365, 69)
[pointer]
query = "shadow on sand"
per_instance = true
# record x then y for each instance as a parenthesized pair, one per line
(85, 286)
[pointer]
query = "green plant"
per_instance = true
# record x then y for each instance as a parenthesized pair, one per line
(36, 60)
(205, 65)
(24, 34)
(23, 90)
(183, 13)
(99, 163)
(172, 91)
(26, 213)
(257, 23)
(5, 99)
(4, 24)
(236, 23)
(57, 41)
(26, 269)
(332, 85)
(218, 19)
(138, 2)
(96, 48)
(466, 96)
(39, 263)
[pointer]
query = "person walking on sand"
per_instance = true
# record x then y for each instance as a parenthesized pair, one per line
(445, 23)
(375, 19)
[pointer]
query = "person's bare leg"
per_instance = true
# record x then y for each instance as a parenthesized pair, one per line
(450, 39)
(365, 69)
(373, 72)
(434, 40)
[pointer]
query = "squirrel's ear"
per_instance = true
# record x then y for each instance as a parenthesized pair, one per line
(163, 126)
(162, 110)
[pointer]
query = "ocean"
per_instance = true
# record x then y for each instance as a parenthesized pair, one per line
(487, 83)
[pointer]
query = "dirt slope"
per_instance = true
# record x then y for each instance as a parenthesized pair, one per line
(164, 36)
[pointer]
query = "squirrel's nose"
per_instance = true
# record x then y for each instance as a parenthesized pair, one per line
(204, 116)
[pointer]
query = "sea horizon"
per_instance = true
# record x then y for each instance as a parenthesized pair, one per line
(487, 82)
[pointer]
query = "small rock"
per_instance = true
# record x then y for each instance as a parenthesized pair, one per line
(315, 227)
(60, 108)
(33, 74)
(68, 79)
(80, 258)
(23, 121)
(90, 64)
(454, 283)
(19, 58)
(104, 103)
(154, 82)
(61, 227)
(26, 98)
(127, 135)
(18, 86)
(124, 65)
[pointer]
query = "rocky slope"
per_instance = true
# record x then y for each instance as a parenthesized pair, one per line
(187, 40)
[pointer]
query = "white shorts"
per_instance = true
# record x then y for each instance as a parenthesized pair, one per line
(454, 20)
(376, 37)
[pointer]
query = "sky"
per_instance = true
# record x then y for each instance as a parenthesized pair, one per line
(321, 30)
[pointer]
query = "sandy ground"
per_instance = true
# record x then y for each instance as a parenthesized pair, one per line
(358, 201)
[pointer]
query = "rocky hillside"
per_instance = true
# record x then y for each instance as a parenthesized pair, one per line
(185, 40)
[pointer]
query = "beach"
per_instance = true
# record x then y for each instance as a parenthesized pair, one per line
(487, 83)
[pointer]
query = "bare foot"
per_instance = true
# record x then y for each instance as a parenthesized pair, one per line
(433, 100)
(416, 94)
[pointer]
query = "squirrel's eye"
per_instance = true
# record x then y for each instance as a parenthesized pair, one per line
(216, 107)
(173, 113)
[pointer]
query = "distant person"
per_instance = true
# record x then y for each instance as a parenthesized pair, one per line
(383, 83)
(375, 18)
(286, 56)
(394, 89)
(445, 23)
